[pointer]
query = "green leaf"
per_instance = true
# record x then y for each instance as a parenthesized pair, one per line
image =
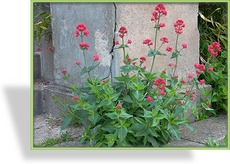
(125, 115)
(90, 68)
(152, 53)
(66, 122)
(175, 54)
(94, 117)
(110, 139)
(140, 120)
(155, 122)
(113, 116)
(84, 71)
(127, 99)
(127, 68)
(147, 114)
(153, 141)
(122, 133)
(109, 128)
(153, 132)
(104, 103)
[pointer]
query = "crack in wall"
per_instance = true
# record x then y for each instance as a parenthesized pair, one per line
(113, 45)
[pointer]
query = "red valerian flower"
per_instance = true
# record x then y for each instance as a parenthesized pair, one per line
(96, 57)
(78, 62)
(178, 26)
(161, 9)
(183, 81)
(76, 98)
(160, 81)
(63, 71)
(214, 48)
(179, 102)
(211, 69)
(184, 45)
(202, 82)
(142, 59)
(134, 63)
(86, 32)
(164, 39)
(116, 42)
(162, 93)
(148, 42)
(129, 41)
(81, 27)
(162, 25)
(169, 49)
(190, 76)
(119, 106)
(76, 33)
(149, 99)
(84, 45)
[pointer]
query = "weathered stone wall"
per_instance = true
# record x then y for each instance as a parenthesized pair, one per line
(100, 21)
(136, 18)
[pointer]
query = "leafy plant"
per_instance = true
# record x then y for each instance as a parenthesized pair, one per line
(212, 143)
(42, 22)
(213, 26)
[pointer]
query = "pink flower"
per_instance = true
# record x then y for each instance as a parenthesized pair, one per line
(198, 72)
(148, 42)
(155, 16)
(169, 49)
(161, 9)
(202, 67)
(116, 42)
(183, 81)
(144, 67)
(129, 41)
(171, 65)
(184, 45)
(159, 82)
(121, 35)
(78, 62)
(214, 48)
(210, 69)
(164, 39)
(196, 65)
(178, 26)
(149, 99)
(179, 102)
(122, 30)
(190, 76)
(96, 57)
(63, 71)
(76, 33)
(119, 106)
(162, 93)
(134, 63)
(81, 27)
(76, 98)
(84, 45)
(143, 58)
(162, 25)
(86, 32)
(202, 82)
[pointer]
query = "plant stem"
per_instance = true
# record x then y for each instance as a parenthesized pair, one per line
(155, 44)
(123, 47)
(176, 56)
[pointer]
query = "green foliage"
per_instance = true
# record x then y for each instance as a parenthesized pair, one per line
(212, 143)
(42, 22)
(213, 27)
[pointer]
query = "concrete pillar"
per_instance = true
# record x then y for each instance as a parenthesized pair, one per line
(100, 21)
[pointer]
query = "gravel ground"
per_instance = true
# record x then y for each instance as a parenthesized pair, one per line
(46, 127)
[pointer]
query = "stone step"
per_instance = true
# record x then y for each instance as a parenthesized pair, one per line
(213, 127)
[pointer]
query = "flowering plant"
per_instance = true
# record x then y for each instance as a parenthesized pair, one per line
(138, 108)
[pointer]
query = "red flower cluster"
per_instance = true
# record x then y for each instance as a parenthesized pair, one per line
(169, 49)
(184, 45)
(148, 42)
(164, 39)
(96, 57)
(78, 62)
(127, 60)
(76, 98)
(202, 82)
(200, 68)
(149, 99)
(191, 94)
(84, 45)
(119, 106)
(142, 59)
(214, 48)
(81, 28)
(122, 31)
(160, 83)
(178, 26)
(63, 71)
(159, 10)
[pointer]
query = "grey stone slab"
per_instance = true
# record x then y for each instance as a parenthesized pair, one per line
(38, 104)
(214, 127)
(100, 21)
(37, 67)
(184, 143)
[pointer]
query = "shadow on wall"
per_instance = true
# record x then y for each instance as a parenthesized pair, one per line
(20, 112)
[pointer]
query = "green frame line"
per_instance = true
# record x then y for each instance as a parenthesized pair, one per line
(117, 148)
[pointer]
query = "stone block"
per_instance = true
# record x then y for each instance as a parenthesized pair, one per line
(37, 67)
(136, 18)
(38, 103)
(100, 21)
